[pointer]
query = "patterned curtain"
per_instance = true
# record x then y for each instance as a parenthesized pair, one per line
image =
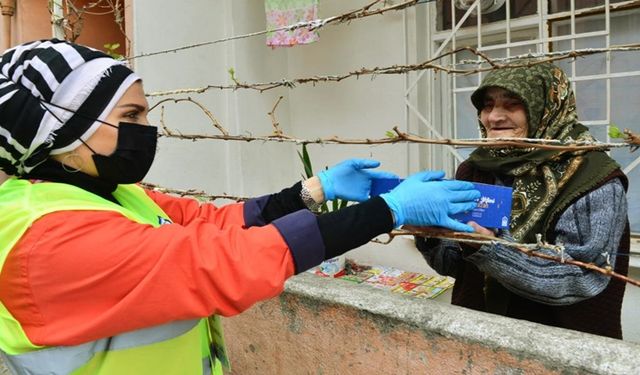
(282, 13)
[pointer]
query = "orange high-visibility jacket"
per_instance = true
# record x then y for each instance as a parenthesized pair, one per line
(77, 276)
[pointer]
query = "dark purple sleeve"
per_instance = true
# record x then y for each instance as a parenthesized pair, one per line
(311, 238)
(263, 210)
(301, 232)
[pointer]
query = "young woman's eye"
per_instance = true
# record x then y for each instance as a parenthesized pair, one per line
(132, 115)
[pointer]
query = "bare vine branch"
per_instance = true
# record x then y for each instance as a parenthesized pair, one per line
(276, 126)
(493, 64)
(439, 233)
(199, 194)
(531, 250)
(213, 119)
(312, 25)
(632, 140)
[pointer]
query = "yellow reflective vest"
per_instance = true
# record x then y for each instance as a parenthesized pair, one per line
(182, 347)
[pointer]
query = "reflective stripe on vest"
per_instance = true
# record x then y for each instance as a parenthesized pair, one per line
(174, 348)
(65, 359)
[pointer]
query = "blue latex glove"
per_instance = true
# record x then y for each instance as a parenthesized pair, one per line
(424, 199)
(351, 179)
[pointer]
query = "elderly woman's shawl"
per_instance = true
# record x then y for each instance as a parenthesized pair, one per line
(545, 181)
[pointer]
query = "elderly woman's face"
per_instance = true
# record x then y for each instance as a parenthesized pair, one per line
(503, 114)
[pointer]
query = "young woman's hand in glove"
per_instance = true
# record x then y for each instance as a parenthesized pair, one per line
(351, 179)
(424, 199)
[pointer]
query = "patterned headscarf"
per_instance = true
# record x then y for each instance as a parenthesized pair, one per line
(51, 94)
(545, 181)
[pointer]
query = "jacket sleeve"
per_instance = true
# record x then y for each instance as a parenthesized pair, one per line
(590, 230)
(254, 212)
(265, 209)
(441, 255)
(185, 210)
(101, 274)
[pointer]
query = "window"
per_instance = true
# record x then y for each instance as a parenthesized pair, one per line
(517, 8)
(606, 85)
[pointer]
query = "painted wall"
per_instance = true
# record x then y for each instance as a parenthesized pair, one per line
(355, 108)
(32, 21)
(352, 108)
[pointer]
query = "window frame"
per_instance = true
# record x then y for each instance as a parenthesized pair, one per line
(535, 31)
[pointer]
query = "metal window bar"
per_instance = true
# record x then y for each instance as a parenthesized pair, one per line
(607, 23)
(543, 41)
(409, 89)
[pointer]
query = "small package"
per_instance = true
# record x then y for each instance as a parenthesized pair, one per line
(493, 209)
(383, 185)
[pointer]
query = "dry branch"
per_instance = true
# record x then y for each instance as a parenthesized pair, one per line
(213, 119)
(401, 137)
(493, 64)
(528, 249)
(312, 25)
(276, 125)
(440, 233)
(191, 193)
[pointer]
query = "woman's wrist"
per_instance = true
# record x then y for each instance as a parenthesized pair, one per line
(312, 194)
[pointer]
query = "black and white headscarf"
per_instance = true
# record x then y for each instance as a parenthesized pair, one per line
(51, 94)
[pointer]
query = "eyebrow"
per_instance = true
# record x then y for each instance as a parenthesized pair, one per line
(139, 107)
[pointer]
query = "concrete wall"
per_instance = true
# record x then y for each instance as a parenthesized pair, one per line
(327, 326)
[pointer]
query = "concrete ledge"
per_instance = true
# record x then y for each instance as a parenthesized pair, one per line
(327, 326)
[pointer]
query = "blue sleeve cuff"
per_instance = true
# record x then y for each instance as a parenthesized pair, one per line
(253, 211)
(301, 232)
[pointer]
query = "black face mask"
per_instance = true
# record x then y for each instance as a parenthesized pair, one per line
(133, 156)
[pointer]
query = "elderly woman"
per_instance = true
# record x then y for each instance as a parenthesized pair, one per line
(573, 198)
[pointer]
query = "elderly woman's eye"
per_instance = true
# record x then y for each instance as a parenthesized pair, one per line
(513, 104)
(487, 106)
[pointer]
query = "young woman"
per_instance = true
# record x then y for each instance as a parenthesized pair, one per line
(101, 276)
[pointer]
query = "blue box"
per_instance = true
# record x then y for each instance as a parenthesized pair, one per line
(494, 207)
(493, 210)
(383, 185)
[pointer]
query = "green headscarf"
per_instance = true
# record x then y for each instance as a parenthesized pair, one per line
(545, 181)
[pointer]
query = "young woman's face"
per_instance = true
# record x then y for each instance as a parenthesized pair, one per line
(132, 107)
(503, 114)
